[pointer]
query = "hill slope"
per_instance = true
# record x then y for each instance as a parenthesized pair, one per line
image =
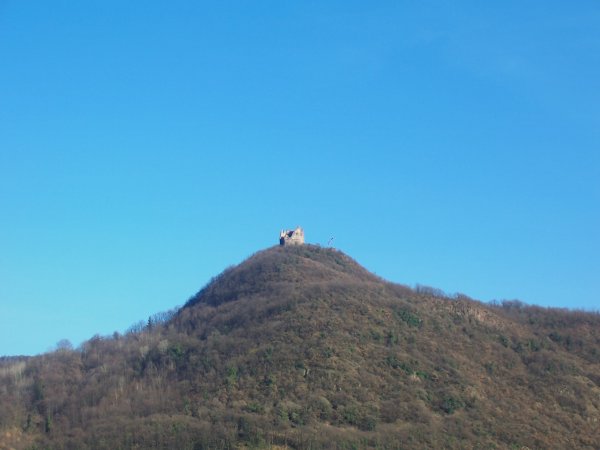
(301, 346)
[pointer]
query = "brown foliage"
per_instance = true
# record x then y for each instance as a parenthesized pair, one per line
(302, 347)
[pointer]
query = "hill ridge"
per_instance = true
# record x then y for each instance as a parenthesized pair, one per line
(303, 347)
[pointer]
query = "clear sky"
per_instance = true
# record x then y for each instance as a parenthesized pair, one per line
(145, 146)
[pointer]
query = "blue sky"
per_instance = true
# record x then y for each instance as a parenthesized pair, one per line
(146, 146)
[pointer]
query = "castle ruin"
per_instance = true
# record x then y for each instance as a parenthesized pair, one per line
(291, 237)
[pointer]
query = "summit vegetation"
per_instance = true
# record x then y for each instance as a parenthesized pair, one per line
(301, 347)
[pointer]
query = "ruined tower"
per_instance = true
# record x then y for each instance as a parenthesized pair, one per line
(291, 237)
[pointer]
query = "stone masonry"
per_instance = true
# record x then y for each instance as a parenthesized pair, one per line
(291, 237)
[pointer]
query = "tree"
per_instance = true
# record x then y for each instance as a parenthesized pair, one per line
(64, 345)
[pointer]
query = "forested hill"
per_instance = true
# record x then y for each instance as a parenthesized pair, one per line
(301, 347)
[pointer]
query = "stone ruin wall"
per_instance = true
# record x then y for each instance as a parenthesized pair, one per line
(291, 237)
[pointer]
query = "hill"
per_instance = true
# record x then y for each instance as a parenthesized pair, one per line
(302, 347)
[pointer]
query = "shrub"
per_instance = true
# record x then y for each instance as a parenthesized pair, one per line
(409, 317)
(451, 404)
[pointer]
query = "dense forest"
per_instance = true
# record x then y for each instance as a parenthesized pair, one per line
(301, 347)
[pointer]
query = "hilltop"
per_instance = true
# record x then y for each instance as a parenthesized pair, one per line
(301, 346)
